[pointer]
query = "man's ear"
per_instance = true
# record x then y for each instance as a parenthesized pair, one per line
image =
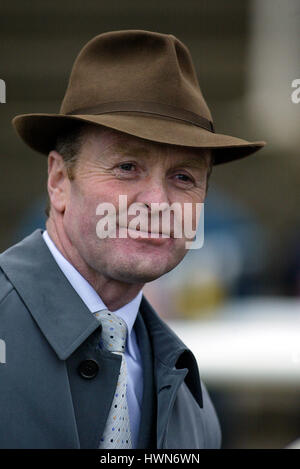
(58, 181)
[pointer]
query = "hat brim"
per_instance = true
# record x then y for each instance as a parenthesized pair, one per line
(39, 132)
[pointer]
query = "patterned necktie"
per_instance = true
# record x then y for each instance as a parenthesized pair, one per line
(113, 338)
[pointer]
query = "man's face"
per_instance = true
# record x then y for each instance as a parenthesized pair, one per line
(111, 164)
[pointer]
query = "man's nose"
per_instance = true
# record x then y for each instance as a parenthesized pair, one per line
(154, 196)
(154, 191)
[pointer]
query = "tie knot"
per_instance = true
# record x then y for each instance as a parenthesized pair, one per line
(114, 331)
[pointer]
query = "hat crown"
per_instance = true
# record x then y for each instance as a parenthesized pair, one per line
(141, 83)
(134, 66)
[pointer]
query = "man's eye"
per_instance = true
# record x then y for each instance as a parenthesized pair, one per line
(126, 166)
(183, 177)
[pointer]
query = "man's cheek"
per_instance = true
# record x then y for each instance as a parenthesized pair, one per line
(80, 222)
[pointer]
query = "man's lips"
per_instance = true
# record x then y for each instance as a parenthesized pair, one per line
(145, 234)
(155, 238)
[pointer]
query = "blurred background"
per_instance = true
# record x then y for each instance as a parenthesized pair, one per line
(235, 301)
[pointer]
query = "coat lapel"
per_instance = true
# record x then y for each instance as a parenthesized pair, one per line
(147, 432)
(173, 363)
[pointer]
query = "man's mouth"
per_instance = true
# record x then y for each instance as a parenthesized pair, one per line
(138, 233)
(155, 238)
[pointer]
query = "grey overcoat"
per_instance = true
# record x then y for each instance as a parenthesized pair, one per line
(56, 387)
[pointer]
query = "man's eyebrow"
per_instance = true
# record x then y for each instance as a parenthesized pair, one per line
(192, 162)
(117, 150)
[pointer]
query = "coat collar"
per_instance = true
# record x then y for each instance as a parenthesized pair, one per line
(66, 322)
(174, 361)
(58, 310)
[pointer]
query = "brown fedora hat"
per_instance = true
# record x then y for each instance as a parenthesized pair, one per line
(139, 82)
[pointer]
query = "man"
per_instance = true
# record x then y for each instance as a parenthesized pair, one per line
(89, 362)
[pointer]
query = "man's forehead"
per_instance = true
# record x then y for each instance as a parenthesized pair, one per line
(115, 144)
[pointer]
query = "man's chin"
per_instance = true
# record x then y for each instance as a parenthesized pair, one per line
(137, 266)
(137, 276)
(139, 272)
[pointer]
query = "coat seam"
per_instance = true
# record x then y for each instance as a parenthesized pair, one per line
(7, 294)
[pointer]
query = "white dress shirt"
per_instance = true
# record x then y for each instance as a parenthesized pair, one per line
(128, 313)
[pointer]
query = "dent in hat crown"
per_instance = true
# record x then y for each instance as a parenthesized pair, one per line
(133, 66)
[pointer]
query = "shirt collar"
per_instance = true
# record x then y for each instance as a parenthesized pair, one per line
(87, 293)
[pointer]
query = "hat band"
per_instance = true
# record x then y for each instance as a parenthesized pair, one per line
(159, 109)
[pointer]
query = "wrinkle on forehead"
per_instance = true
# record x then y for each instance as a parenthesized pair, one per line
(112, 143)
